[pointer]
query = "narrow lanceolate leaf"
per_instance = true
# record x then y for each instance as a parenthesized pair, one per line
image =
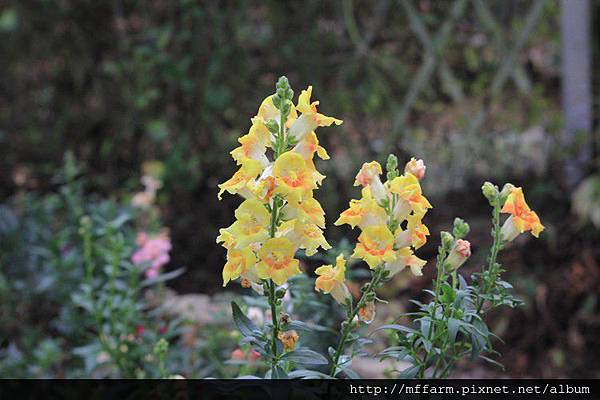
(453, 325)
(306, 326)
(243, 323)
(163, 277)
(409, 373)
(395, 327)
(305, 356)
(307, 374)
(426, 327)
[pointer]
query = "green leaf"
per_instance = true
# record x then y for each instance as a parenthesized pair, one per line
(243, 323)
(453, 325)
(350, 374)
(163, 277)
(307, 374)
(426, 326)
(448, 294)
(462, 284)
(305, 356)
(494, 362)
(409, 372)
(395, 327)
(307, 326)
(276, 373)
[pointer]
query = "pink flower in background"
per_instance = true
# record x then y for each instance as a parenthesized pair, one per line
(238, 354)
(153, 251)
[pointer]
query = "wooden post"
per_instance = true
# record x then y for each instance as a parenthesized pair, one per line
(576, 87)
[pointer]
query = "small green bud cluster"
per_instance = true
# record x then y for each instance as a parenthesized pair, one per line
(392, 167)
(282, 99)
(461, 228)
(447, 240)
(490, 191)
(161, 347)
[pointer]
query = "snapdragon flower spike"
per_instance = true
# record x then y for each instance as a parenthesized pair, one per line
(390, 216)
(521, 218)
(280, 214)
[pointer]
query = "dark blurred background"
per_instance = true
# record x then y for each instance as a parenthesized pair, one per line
(473, 87)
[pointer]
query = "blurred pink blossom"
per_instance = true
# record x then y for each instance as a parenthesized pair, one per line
(153, 251)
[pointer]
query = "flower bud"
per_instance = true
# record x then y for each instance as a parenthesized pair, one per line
(458, 255)
(282, 83)
(280, 293)
(447, 239)
(416, 167)
(461, 228)
(490, 192)
(392, 167)
(288, 339)
(367, 312)
(506, 189)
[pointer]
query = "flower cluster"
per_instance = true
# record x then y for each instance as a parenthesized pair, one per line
(390, 216)
(153, 251)
(279, 214)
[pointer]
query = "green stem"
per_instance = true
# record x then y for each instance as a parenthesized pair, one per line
(352, 312)
(275, 330)
(438, 283)
(279, 141)
(496, 245)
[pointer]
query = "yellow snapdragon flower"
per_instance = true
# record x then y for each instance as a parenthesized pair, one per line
(239, 181)
(252, 148)
(415, 234)
(294, 180)
(368, 176)
(332, 280)
(304, 235)
(375, 246)
(310, 118)
(521, 219)
(407, 187)
(405, 258)
(249, 228)
(308, 146)
(308, 209)
(363, 213)
(277, 260)
(239, 262)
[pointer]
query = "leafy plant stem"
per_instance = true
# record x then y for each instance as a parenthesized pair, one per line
(352, 312)
(490, 277)
(438, 283)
